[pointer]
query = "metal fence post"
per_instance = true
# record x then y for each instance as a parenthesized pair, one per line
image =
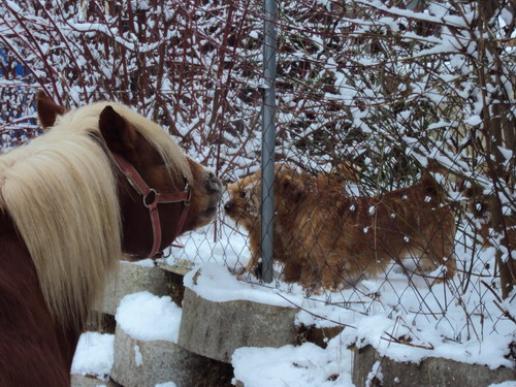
(268, 138)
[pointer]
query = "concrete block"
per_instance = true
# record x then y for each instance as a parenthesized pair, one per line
(132, 278)
(146, 363)
(216, 329)
(174, 274)
(90, 381)
(431, 372)
(179, 266)
(100, 322)
(317, 335)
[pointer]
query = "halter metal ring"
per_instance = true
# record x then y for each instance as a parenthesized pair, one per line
(150, 198)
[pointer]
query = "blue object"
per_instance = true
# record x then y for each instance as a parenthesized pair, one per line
(18, 68)
(19, 73)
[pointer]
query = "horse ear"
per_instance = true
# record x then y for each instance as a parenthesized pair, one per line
(48, 110)
(120, 136)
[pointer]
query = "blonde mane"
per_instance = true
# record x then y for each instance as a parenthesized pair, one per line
(60, 190)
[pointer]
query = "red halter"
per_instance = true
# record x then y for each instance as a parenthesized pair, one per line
(151, 198)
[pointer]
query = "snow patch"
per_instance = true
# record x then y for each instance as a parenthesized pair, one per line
(305, 365)
(508, 383)
(94, 355)
(375, 376)
(138, 358)
(215, 283)
(145, 316)
(378, 332)
(473, 120)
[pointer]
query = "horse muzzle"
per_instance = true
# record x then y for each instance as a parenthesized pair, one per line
(208, 205)
(213, 185)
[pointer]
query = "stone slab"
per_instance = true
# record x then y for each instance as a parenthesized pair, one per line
(431, 372)
(140, 363)
(132, 278)
(216, 329)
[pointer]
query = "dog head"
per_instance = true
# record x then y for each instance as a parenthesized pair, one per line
(244, 200)
(244, 203)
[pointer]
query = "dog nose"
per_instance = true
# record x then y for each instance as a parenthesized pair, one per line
(228, 206)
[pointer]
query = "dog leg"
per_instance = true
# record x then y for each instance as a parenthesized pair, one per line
(292, 271)
(440, 253)
(310, 278)
(253, 263)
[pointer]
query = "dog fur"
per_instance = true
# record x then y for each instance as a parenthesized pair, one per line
(327, 238)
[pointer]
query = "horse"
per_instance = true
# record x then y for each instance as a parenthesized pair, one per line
(100, 183)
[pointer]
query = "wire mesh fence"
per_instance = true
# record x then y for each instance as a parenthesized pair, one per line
(395, 174)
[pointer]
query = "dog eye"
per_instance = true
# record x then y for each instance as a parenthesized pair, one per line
(242, 194)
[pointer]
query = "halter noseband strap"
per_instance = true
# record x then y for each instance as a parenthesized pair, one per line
(151, 198)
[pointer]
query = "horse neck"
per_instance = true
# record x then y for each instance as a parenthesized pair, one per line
(23, 310)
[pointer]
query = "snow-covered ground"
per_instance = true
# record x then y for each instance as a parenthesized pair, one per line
(461, 320)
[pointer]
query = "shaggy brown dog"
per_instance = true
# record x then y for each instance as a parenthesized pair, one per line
(326, 238)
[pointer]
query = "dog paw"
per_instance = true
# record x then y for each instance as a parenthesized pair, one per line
(258, 270)
(237, 270)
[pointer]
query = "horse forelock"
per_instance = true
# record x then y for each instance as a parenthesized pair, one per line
(87, 117)
(60, 190)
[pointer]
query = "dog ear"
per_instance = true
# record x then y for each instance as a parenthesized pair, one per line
(345, 171)
(48, 110)
(290, 186)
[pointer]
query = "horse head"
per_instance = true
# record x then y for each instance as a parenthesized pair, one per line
(162, 193)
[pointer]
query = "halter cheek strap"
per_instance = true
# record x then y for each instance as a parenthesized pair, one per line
(151, 198)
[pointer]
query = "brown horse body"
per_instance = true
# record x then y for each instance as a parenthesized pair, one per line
(34, 350)
(40, 326)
